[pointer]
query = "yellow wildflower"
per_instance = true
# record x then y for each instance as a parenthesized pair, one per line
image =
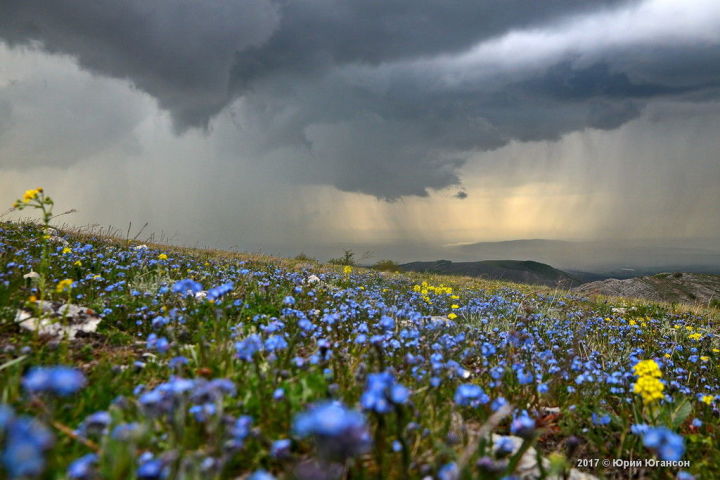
(650, 388)
(66, 250)
(695, 336)
(704, 358)
(647, 368)
(347, 269)
(31, 194)
(162, 256)
(64, 285)
(452, 316)
(667, 355)
(77, 263)
(707, 399)
(454, 306)
(454, 297)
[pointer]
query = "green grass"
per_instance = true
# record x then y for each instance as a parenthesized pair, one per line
(549, 334)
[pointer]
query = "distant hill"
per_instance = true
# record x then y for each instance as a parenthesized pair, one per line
(667, 287)
(511, 270)
(611, 258)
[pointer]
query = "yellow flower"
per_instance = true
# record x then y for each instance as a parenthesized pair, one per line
(66, 250)
(455, 297)
(452, 316)
(31, 194)
(650, 388)
(454, 306)
(633, 322)
(689, 328)
(716, 350)
(63, 285)
(647, 368)
(704, 358)
(347, 269)
(695, 336)
(162, 256)
(667, 355)
(77, 263)
(707, 399)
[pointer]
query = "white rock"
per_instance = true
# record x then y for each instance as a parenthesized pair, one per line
(140, 247)
(313, 279)
(58, 320)
(56, 239)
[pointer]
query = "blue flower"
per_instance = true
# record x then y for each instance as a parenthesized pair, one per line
(523, 426)
(261, 475)
(470, 395)
(161, 344)
(240, 430)
(381, 392)
(26, 441)
(152, 469)
(600, 419)
(83, 467)
(280, 448)
(217, 292)
(187, 287)
(247, 348)
(448, 472)
(338, 431)
(668, 444)
(95, 424)
(60, 380)
(504, 446)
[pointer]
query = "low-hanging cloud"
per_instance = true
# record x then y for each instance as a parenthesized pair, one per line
(386, 98)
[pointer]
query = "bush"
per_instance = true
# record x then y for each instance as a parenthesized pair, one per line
(386, 266)
(348, 258)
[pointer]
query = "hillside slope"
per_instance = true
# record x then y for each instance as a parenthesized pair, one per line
(510, 270)
(666, 287)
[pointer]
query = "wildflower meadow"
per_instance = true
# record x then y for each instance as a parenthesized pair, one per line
(187, 364)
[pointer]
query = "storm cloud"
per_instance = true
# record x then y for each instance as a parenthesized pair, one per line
(389, 98)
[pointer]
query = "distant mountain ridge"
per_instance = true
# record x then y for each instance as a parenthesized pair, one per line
(521, 271)
(666, 287)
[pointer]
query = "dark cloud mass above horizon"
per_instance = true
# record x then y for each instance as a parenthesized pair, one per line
(390, 97)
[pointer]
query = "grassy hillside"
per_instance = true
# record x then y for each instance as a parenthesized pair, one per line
(509, 270)
(218, 365)
(666, 287)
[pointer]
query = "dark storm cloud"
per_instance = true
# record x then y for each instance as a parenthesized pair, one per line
(381, 97)
(178, 51)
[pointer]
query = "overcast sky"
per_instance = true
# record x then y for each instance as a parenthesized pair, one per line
(285, 125)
